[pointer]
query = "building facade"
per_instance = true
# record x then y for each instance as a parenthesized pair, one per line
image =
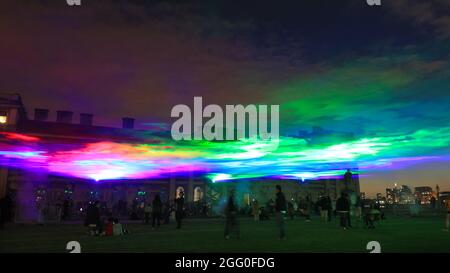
(37, 192)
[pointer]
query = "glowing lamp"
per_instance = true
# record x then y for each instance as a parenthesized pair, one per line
(3, 117)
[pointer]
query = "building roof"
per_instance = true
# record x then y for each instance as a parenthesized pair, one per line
(78, 132)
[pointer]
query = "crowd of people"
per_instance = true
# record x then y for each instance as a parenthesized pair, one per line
(283, 209)
(364, 211)
(347, 208)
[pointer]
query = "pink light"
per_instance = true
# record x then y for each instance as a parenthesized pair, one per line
(20, 137)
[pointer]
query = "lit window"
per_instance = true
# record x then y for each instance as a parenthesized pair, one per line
(3, 117)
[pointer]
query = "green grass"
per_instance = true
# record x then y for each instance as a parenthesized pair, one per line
(405, 234)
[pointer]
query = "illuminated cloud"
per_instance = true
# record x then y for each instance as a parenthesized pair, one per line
(223, 161)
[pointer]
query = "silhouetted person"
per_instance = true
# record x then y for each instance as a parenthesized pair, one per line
(179, 209)
(447, 218)
(263, 215)
(280, 211)
(6, 210)
(358, 208)
(2, 213)
(372, 216)
(147, 213)
(93, 218)
(156, 211)
(167, 210)
(328, 206)
(343, 209)
(255, 210)
(270, 206)
(65, 210)
(308, 208)
(291, 210)
(324, 208)
(231, 210)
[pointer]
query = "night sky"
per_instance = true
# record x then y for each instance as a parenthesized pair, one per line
(342, 65)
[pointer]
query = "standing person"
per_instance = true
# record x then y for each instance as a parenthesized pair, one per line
(147, 213)
(255, 208)
(156, 211)
(2, 212)
(447, 218)
(280, 211)
(58, 211)
(323, 208)
(366, 207)
(358, 208)
(343, 209)
(231, 210)
(291, 210)
(308, 207)
(295, 207)
(167, 211)
(328, 206)
(93, 218)
(41, 213)
(179, 209)
(65, 210)
(270, 206)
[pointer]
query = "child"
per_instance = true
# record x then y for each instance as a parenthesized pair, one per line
(109, 227)
(118, 228)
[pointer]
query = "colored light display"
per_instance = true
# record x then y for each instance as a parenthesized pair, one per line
(287, 158)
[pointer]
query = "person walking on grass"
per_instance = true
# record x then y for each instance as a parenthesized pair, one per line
(147, 213)
(343, 209)
(447, 217)
(290, 207)
(231, 210)
(309, 207)
(358, 209)
(280, 211)
(156, 211)
(323, 208)
(179, 209)
(255, 210)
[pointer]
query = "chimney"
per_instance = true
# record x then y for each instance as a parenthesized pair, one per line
(64, 116)
(86, 119)
(127, 123)
(40, 114)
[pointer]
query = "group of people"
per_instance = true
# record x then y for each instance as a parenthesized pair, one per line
(98, 226)
(155, 211)
(231, 211)
(343, 208)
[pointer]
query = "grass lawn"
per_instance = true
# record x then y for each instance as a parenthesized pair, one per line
(423, 234)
